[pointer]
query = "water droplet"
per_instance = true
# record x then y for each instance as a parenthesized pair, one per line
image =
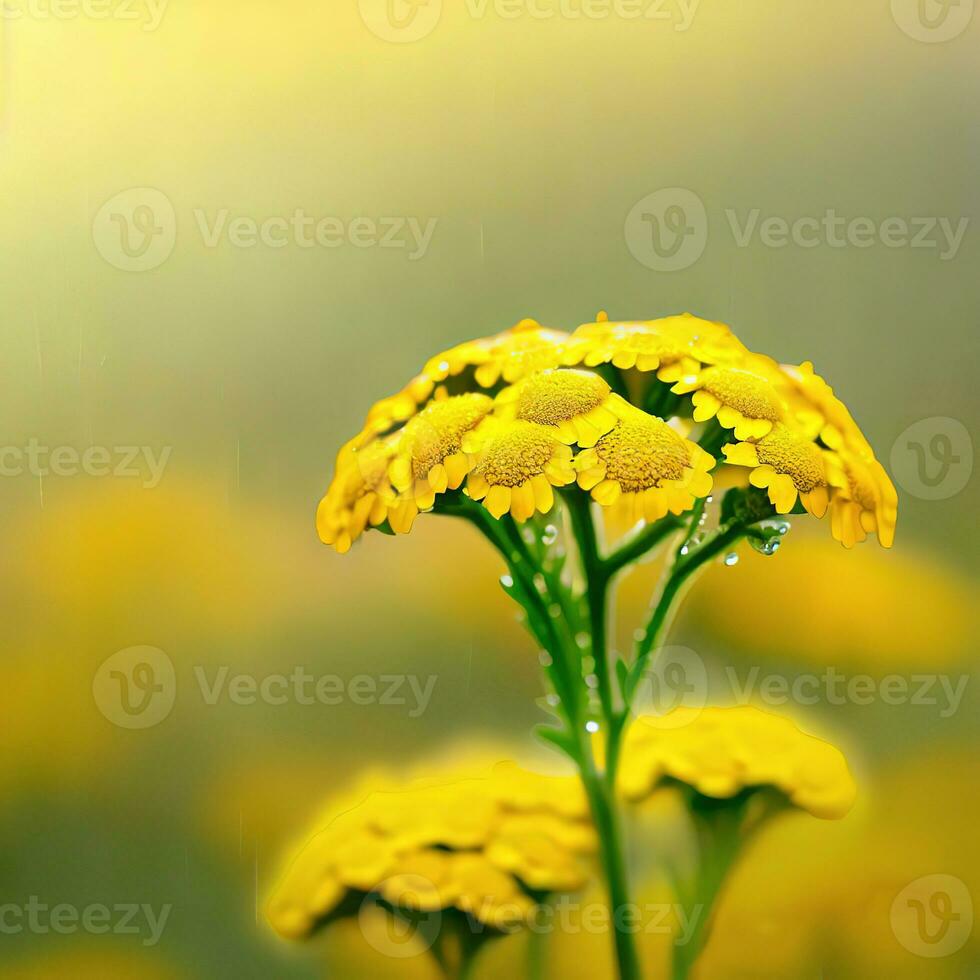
(554, 610)
(506, 581)
(768, 547)
(731, 558)
(528, 535)
(639, 635)
(583, 640)
(684, 549)
(539, 582)
(553, 700)
(515, 557)
(592, 727)
(588, 664)
(592, 681)
(550, 535)
(544, 658)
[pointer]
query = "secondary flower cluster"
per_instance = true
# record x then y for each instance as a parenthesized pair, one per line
(619, 409)
(721, 751)
(482, 844)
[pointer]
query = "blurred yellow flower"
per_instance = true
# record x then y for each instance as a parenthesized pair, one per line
(720, 751)
(898, 612)
(479, 844)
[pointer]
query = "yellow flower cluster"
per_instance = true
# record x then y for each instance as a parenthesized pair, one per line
(721, 751)
(481, 844)
(510, 417)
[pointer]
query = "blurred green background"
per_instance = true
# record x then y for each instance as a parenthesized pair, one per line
(528, 140)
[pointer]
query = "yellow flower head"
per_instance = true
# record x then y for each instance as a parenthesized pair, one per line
(788, 465)
(718, 752)
(867, 503)
(497, 417)
(429, 459)
(360, 493)
(479, 844)
(578, 405)
(511, 355)
(644, 464)
(742, 399)
(686, 340)
(516, 464)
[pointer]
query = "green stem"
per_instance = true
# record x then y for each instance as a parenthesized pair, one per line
(685, 565)
(602, 803)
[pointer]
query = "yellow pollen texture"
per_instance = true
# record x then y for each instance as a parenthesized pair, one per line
(744, 391)
(517, 455)
(794, 456)
(641, 453)
(558, 396)
(438, 430)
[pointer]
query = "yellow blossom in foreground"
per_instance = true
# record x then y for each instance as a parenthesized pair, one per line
(516, 464)
(494, 417)
(789, 466)
(578, 405)
(429, 457)
(479, 844)
(644, 465)
(721, 751)
(742, 399)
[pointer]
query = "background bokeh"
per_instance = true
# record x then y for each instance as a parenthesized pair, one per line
(529, 140)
